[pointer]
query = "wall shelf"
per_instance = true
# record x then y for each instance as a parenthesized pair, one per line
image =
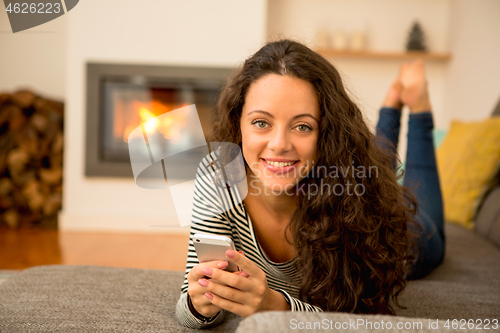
(331, 53)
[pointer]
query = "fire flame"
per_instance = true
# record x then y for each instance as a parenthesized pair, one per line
(168, 125)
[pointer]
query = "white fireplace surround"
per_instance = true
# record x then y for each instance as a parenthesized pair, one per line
(196, 33)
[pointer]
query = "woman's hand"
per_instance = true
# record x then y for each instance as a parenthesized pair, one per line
(240, 294)
(198, 300)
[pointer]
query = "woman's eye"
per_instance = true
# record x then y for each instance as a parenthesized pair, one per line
(303, 128)
(260, 124)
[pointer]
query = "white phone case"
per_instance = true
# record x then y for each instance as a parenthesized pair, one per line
(213, 247)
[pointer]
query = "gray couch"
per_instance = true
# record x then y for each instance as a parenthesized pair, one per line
(60, 298)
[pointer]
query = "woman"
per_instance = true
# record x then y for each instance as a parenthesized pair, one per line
(317, 231)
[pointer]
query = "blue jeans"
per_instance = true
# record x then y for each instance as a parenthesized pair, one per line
(422, 176)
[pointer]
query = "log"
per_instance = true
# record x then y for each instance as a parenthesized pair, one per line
(56, 160)
(24, 99)
(57, 144)
(11, 218)
(7, 142)
(5, 112)
(22, 177)
(34, 195)
(6, 202)
(51, 176)
(27, 140)
(52, 204)
(58, 189)
(6, 186)
(43, 153)
(3, 164)
(4, 98)
(39, 122)
(52, 129)
(46, 107)
(17, 159)
(17, 118)
(19, 200)
(29, 218)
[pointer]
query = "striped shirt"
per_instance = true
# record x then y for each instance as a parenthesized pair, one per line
(221, 211)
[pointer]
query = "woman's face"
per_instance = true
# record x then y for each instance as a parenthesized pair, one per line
(279, 126)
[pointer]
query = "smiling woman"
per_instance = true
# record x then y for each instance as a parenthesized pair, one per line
(306, 240)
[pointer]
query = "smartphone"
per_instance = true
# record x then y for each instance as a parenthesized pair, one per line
(213, 247)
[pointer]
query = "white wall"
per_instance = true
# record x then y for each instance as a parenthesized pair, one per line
(473, 78)
(33, 59)
(196, 32)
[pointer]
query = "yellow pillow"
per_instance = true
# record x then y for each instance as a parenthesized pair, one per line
(468, 160)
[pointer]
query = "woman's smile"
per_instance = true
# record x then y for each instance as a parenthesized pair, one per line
(279, 165)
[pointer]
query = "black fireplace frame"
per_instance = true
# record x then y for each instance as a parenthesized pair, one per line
(98, 72)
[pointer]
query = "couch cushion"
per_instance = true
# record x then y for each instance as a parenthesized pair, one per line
(496, 111)
(94, 299)
(488, 218)
(468, 162)
(465, 285)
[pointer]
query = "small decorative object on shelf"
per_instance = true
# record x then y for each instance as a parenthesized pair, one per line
(358, 41)
(416, 39)
(339, 40)
(322, 39)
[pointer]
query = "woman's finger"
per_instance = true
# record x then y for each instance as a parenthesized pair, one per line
(196, 292)
(196, 272)
(244, 263)
(226, 292)
(241, 273)
(234, 307)
(237, 281)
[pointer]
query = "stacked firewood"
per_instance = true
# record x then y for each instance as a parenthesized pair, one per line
(31, 157)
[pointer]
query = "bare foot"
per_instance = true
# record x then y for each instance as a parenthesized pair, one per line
(393, 96)
(414, 82)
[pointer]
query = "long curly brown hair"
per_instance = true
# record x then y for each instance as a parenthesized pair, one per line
(353, 251)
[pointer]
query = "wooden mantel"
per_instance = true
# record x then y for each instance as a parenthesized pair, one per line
(331, 53)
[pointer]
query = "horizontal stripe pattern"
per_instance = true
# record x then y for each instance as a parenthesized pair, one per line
(221, 211)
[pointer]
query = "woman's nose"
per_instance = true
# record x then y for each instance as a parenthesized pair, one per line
(279, 141)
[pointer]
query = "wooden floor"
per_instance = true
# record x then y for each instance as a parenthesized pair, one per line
(20, 249)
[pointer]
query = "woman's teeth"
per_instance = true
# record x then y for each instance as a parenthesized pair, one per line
(280, 164)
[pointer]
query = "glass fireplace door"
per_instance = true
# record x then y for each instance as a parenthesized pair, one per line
(127, 105)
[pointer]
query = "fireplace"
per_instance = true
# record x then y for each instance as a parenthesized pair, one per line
(122, 97)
